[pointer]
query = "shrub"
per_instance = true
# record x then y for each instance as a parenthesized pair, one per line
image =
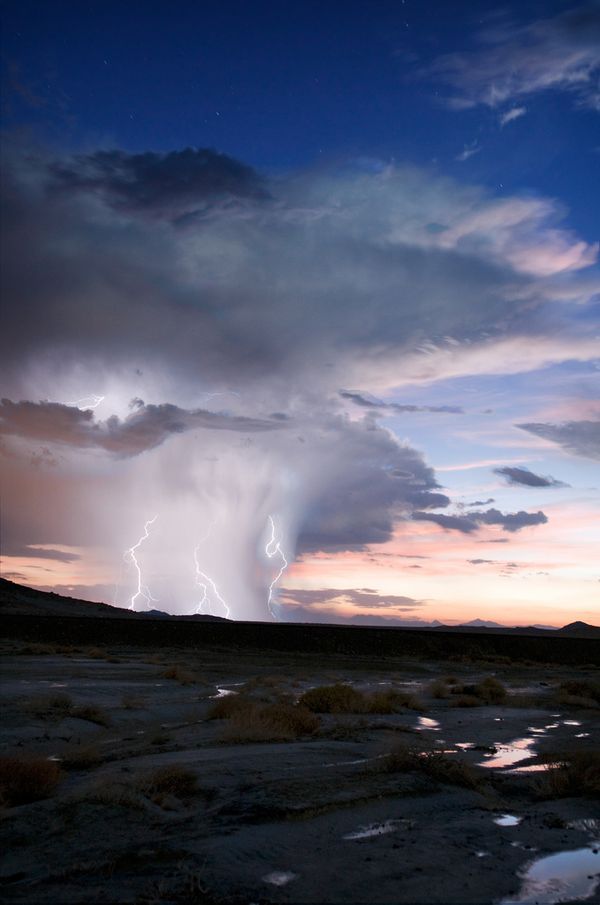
(491, 691)
(23, 780)
(439, 689)
(180, 674)
(391, 701)
(92, 714)
(172, 780)
(434, 764)
(467, 700)
(81, 757)
(131, 702)
(583, 688)
(270, 722)
(571, 774)
(225, 708)
(337, 698)
(50, 707)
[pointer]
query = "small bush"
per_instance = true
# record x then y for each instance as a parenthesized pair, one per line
(391, 702)
(575, 773)
(582, 688)
(336, 698)
(172, 780)
(92, 714)
(467, 700)
(81, 757)
(491, 691)
(112, 792)
(434, 764)
(269, 723)
(50, 707)
(96, 653)
(180, 674)
(23, 780)
(439, 689)
(225, 708)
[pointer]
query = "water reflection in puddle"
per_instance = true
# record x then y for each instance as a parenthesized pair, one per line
(582, 735)
(374, 829)
(222, 693)
(482, 854)
(571, 723)
(425, 722)
(565, 876)
(507, 820)
(279, 877)
(507, 755)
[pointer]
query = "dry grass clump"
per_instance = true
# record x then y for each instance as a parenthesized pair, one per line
(180, 674)
(226, 707)
(49, 706)
(575, 773)
(341, 698)
(392, 701)
(23, 780)
(467, 700)
(173, 781)
(584, 693)
(338, 698)
(488, 691)
(433, 764)
(438, 689)
(81, 757)
(113, 792)
(269, 723)
(91, 713)
(491, 691)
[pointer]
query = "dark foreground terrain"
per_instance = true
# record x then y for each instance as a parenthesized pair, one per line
(146, 767)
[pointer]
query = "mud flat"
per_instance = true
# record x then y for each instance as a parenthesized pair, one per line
(143, 773)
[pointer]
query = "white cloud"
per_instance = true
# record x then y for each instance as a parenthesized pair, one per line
(512, 114)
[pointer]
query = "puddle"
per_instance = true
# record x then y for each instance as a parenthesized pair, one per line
(582, 735)
(540, 731)
(464, 746)
(374, 829)
(498, 719)
(482, 854)
(507, 820)
(530, 768)
(279, 877)
(223, 692)
(552, 726)
(59, 685)
(425, 722)
(563, 877)
(571, 723)
(55, 758)
(507, 755)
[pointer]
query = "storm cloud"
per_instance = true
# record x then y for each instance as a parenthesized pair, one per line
(525, 478)
(579, 437)
(508, 521)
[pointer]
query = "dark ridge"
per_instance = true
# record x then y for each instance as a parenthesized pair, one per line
(296, 639)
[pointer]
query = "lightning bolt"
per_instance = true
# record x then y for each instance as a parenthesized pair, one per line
(88, 402)
(204, 582)
(272, 549)
(142, 590)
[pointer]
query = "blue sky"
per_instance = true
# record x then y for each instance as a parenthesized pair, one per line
(401, 201)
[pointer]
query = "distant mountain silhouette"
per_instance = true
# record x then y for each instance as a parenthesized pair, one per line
(18, 599)
(580, 629)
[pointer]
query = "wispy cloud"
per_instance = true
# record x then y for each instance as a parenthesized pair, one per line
(514, 61)
(510, 115)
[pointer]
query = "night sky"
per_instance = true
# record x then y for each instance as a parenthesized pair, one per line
(301, 308)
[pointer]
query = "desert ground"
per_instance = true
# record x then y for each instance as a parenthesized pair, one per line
(151, 775)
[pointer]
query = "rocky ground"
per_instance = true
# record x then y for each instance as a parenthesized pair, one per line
(159, 792)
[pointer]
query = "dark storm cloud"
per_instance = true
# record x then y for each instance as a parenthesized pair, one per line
(364, 401)
(259, 290)
(481, 502)
(363, 597)
(512, 61)
(509, 521)
(364, 481)
(479, 562)
(147, 427)
(174, 185)
(579, 437)
(525, 478)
